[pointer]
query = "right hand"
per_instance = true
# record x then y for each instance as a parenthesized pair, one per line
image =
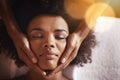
(25, 54)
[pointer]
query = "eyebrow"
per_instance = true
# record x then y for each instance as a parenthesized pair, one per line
(60, 30)
(37, 29)
(57, 30)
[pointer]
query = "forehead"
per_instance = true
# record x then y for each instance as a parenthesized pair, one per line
(48, 21)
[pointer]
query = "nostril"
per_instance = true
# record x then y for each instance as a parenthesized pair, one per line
(52, 46)
(48, 46)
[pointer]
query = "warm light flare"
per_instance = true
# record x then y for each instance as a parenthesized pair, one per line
(90, 10)
(77, 8)
(96, 10)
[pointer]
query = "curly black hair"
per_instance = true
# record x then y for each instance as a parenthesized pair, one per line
(25, 10)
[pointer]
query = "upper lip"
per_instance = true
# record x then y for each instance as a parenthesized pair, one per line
(49, 52)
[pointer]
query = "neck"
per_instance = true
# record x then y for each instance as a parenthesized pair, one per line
(34, 76)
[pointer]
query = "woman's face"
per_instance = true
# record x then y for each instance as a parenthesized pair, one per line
(47, 35)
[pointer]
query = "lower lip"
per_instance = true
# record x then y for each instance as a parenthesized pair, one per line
(50, 57)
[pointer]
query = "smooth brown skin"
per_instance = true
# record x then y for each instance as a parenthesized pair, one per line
(47, 35)
(22, 44)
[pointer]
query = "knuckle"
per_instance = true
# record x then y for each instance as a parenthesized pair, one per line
(67, 56)
(71, 46)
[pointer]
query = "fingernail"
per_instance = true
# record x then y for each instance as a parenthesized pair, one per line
(34, 60)
(63, 60)
(44, 73)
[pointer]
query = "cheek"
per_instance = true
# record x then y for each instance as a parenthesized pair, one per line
(35, 46)
(61, 46)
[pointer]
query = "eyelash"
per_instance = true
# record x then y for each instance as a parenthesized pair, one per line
(37, 36)
(60, 38)
(56, 37)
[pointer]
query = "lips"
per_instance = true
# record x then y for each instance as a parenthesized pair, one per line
(49, 55)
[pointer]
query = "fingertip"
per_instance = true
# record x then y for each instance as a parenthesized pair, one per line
(44, 73)
(34, 60)
(63, 60)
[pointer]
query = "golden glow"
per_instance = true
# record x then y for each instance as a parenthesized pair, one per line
(77, 8)
(116, 5)
(92, 9)
(96, 10)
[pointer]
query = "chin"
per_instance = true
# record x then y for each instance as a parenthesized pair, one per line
(48, 65)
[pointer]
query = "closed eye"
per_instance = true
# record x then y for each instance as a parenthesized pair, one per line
(36, 36)
(60, 37)
(61, 34)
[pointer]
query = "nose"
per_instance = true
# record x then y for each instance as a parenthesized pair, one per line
(49, 42)
(48, 45)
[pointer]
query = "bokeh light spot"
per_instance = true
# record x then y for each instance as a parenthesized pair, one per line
(77, 8)
(96, 10)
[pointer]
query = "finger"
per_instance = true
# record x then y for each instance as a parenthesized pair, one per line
(84, 33)
(37, 69)
(34, 67)
(30, 55)
(59, 68)
(22, 55)
(28, 51)
(66, 54)
(72, 56)
(62, 66)
(70, 47)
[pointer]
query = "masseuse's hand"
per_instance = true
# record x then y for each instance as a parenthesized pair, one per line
(20, 40)
(23, 49)
(14, 31)
(74, 41)
(25, 53)
(22, 45)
